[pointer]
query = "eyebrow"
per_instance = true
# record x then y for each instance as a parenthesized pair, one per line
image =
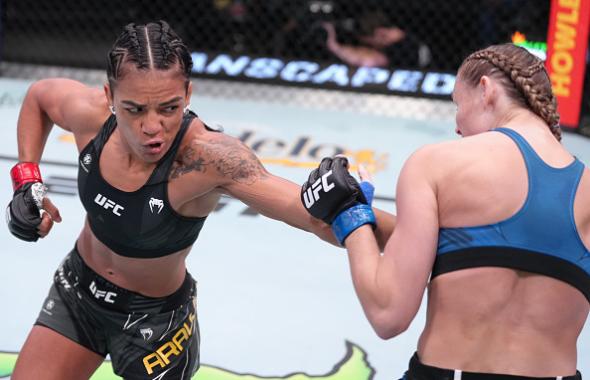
(168, 102)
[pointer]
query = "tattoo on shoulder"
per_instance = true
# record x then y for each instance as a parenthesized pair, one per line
(228, 157)
(190, 162)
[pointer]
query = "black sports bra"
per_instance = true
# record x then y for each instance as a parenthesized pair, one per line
(140, 223)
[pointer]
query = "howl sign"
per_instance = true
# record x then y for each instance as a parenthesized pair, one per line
(335, 76)
(566, 55)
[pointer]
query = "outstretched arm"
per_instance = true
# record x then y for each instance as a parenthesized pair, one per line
(243, 176)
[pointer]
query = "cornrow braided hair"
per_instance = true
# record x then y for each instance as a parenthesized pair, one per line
(526, 74)
(151, 46)
(164, 38)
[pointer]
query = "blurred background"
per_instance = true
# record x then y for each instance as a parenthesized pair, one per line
(436, 35)
(409, 48)
(296, 81)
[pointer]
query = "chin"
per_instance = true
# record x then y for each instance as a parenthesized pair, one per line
(152, 158)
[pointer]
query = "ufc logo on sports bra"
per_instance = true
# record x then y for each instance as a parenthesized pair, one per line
(98, 294)
(106, 203)
(313, 193)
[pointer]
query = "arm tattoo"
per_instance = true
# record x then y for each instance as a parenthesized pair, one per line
(190, 162)
(238, 163)
(229, 158)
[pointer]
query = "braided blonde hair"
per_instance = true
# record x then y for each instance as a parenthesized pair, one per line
(522, 75)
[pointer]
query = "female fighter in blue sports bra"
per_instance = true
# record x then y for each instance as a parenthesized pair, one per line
(149, 172)
(495, 225)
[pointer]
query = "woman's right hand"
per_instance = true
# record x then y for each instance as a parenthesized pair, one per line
(334, 196)
(30, 214)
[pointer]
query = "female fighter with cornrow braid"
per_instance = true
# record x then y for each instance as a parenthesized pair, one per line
(495, 225)
(149, 174)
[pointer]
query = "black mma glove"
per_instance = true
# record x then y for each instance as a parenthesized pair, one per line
(334, 196)
(22, 214)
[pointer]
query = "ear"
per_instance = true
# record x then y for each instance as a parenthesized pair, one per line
(108, 93)
(488, 89)
(189, 92)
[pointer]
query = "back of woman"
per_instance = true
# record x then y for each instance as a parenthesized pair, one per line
(510, 287)
(499, 319)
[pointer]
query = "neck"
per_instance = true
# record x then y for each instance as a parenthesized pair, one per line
(126, 157)
(521, 119)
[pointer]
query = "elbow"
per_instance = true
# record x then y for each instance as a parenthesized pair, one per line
(36, 88)
(388, 331)
(41, 86)
(388, 326)
(37, 91)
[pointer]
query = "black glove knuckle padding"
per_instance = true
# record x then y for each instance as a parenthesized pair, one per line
(344, 190)
(313, 176)
(24, 216)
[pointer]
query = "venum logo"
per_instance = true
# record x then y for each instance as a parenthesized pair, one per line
(86, 160)
(312, 194)
(106, 203)
(98, 294)
(146, 333)
(156, 204)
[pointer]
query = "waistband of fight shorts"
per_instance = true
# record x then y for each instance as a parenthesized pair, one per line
(428, 372)
(75, 272)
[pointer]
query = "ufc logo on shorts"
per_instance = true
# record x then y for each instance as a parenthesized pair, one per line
(313, 193)
(106, 203)
(98, 294)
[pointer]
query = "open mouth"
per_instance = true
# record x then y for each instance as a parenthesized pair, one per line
(154, 148)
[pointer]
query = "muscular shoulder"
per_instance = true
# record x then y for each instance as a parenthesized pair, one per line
(449, 157)
(434, 160)
(72, 105)
(223, 158)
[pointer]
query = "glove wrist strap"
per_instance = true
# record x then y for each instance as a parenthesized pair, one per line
(351, 219)
(24, 172)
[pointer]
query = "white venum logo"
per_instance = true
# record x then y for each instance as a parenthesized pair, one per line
(87, 159)
(312, 194)
(156, 203)
(106, 203)
(146, 333)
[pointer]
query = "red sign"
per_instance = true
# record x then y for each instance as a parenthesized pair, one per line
(567, 42)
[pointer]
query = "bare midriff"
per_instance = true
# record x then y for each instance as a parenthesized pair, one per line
(153, 277)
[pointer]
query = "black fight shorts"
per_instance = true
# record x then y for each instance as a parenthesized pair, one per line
(419, 371)
(145, 337)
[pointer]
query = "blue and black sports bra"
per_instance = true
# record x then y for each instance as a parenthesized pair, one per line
(540, 238)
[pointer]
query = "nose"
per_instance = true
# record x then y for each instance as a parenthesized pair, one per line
(151, 124)
(457, 130)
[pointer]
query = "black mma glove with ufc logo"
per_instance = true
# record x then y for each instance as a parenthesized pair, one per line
(334, 196)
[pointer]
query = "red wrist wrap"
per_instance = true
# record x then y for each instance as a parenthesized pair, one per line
(24, 172)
